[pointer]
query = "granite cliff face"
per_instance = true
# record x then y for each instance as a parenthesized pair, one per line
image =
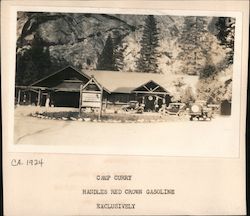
(78, 39)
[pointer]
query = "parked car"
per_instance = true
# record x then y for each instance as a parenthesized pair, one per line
(176, 109)
(200, 111)
(133, 106)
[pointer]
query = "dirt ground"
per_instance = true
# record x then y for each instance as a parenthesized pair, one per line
(212, 138)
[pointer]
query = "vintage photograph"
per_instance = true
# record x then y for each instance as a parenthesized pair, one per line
(123, 76)
(124, 107)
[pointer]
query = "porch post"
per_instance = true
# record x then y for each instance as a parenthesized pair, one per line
(100, 111)
(156, 103)
(29, 97)
(18, 96)
(163, 106)
(39, 98)
(164, 99)
(80, 100)
(106, 103)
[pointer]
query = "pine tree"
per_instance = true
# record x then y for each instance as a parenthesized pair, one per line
(106, 60)
(33, 63)
(149, 44)
(208, 71)
(40, 57)
(194, 45)
(118, 51)
(26, 72)
(226, 34)
(187, 95)
(212, 89)
(119, 58)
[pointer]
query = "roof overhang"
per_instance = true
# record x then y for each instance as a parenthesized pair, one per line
(59, 71)
(151, 91)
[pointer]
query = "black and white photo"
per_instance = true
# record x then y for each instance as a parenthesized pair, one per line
(110, 73)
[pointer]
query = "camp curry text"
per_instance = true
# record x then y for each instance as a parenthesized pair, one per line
(114, 177)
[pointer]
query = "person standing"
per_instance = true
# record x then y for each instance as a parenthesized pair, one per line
(47, 102)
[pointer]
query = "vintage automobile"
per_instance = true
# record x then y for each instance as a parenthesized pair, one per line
(176, 109)
(200, 111)
(133, 106)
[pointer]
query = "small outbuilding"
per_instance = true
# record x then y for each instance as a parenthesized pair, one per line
(225, 107)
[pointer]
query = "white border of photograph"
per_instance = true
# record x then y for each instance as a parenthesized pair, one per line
(201, 147)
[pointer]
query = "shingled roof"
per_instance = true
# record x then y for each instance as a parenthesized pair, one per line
(113, 81)
(126, 82)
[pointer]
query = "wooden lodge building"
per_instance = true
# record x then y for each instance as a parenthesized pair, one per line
(63, 88)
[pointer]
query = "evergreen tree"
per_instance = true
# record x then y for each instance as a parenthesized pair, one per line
(149, 44)
(33, 63)
(211, 89)
(106, 60)
(118, 51)
(40, 57)
(193, 44)
(226, 33)
(209, 69)
(25, 70)
(187, 96)
(119, 58)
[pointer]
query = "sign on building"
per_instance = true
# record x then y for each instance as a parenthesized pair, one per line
(91, 95)
(91, 99)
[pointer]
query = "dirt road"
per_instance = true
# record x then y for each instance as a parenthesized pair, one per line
(212, 138)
